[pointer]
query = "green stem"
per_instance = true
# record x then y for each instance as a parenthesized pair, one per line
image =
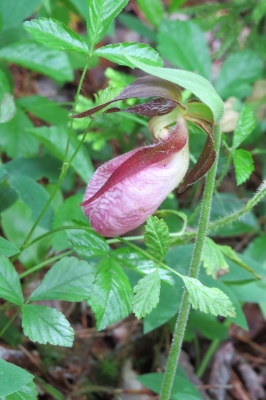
(261, 193)
(44, 263)
(7, 325)
(65, 164)
(207, 357)
(181, 322)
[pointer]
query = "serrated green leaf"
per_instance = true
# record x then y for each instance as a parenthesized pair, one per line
(146, 294)
(208, 300)
(244, 165)
(69, 279)
(7, 248)
(37, 57)
(245, 125)
(44, 325)
(101, 15)
(55, 35)
(87, 243)
(237, 74)
(153, 12)
(34, 196)
(27, 392)
(213, 259)
(195, 83)
(45, 109)
(55, 139)
(13, 378)
(180, 41)
(14, 12)
(10, 288)
(141, 52)
(156, 237)
(110, 297)
(15, 139)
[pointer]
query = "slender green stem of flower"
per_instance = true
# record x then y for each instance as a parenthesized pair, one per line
(44, 263)
(261, 193)
(181, 322)
(207, 357)
(7, 325)
(65, 164)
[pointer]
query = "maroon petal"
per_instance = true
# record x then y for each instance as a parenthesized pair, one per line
(207, 157)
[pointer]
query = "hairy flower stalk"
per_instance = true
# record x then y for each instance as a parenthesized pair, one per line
(124, 191)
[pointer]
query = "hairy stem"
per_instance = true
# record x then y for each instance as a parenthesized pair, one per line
(181, 322)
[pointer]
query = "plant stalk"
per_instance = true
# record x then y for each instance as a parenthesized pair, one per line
(182, 318)
(65, 164)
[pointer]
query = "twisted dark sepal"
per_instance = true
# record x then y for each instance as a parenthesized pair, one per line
(200, 115)
(167, 97)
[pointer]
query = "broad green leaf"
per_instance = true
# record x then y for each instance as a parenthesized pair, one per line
(225, 204)
(37, 57)
(34, 168)
(17, 232)
(208, 325)
(7, 108)
(55, 139)
(69, 279)
(208, 300)
(156, 237)
(139, 51)
(44, 325)
(182, 389)
(184, 44)
(237, 74)
(101, 15)
(13, 378)
(15, 139)
(13, 12)
(213, 259)
(244, 165)
(27, 392)
(134, 23)
(166, 308)
(55, 35)
(10, 288)
(45, 109)
(87, 243)
(7, 248)
(153, 12)
(146, 294)
(245, 125)
(34, 196)
(257, 250)
(68, 212)
(81, 6)
(110, 297)
(196, 84)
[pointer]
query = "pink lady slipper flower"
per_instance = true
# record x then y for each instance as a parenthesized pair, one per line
(124, 191)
